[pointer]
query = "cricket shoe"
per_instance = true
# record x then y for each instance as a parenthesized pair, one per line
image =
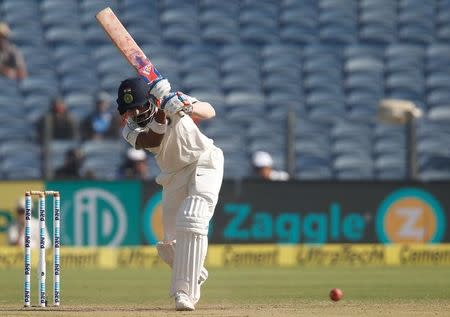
(182, 302)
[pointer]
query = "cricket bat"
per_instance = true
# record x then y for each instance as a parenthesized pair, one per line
(126, 44)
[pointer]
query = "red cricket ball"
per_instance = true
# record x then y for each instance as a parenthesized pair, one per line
(336, 294)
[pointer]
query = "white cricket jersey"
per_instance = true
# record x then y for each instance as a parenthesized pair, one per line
(181, 145)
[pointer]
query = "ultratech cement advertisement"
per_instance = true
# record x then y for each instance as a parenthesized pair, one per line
(248, 255)
(128, 213)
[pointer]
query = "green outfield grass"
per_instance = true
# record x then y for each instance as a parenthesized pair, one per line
(243, 292)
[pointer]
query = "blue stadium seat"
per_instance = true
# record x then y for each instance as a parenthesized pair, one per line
(438, 80)
(258, 35)
(416, 34)
(201, 80)
(236, 82)
(440, 113)
(96, 5)
(363, 50)
(443, 32)
(350, 166)
(106, 149)
(58, 35)
(218, 17)
(221, 35)
(229, 144)
(365, 83)
(237, 166)
(22, 171)
(437, 97)
(364, 64)
(412, 82)
(438, 57)
(79, 104)
(100, 168)
(286, 65)
(58, 151)
(93, 35)
(180, 34)
(389, 167)
(315, 173)
(13, 127)
(17, 148)
(45, 84)
(31, 36)
(272, 143)
(326, 65)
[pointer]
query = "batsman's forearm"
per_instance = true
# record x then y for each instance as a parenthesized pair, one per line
(148, 139)
(203, 110)
(160, 116)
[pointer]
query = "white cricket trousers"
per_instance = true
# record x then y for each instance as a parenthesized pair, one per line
(203, 178)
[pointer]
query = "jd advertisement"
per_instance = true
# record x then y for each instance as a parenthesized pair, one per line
(99, 213)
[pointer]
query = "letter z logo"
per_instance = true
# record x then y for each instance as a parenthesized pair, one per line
(410, 229)
(410, 215)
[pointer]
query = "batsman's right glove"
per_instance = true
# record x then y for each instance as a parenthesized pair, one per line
(159, 87)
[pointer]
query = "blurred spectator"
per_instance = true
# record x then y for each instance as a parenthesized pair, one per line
(16, 229)
(63, 123)
(102, 123)
(262, 164)
(12, 64)
(72, 165)
(135, 165)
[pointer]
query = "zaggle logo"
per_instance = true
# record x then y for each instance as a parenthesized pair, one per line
(410, 215)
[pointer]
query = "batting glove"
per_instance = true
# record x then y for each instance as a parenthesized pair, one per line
(176, 102)
(160, 87)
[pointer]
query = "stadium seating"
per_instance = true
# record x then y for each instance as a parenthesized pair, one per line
(327, 62)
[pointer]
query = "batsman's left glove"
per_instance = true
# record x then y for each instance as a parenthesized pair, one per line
(175, 103)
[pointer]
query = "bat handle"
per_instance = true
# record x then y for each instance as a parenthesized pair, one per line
(181, 113)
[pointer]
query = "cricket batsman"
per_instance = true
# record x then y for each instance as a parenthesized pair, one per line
(191, 174)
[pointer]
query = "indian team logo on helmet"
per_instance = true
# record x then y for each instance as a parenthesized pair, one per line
(410, 215)
(153, 228)
(128, 98)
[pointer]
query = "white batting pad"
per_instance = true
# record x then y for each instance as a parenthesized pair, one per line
(194, 215)
(166, 251)
(192, 244)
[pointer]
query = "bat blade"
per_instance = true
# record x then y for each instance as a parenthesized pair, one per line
(126, 44)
